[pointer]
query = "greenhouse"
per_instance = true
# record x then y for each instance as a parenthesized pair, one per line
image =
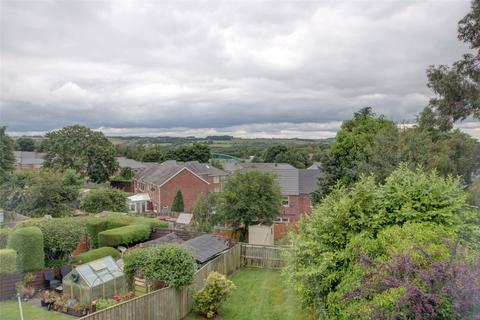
(102, 278)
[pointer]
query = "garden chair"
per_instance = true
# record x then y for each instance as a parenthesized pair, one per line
(50, 281)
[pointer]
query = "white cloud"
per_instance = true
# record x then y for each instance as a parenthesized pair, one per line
(198, 65)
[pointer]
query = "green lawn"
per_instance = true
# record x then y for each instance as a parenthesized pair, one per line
(260, 294)
(9, 311)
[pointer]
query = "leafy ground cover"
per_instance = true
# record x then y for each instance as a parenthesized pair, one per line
(260, 294)
(9, 311)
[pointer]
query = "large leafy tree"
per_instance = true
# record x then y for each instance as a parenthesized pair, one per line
(349, 151)
(105, 199)
(251, 197)
(457, 87)
(197, 152)
(36, 194)
(25, 144)
(7, 158)
(325, 252)
(207, 211)
(76, 147)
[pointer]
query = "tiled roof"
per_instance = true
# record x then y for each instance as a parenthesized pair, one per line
(134, 164)
(160, 173)
(29, 157)
(292, 181)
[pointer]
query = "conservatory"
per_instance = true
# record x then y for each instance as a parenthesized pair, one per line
(102, 278)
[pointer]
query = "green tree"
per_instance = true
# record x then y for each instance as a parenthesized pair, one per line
(297, 158)
(216, 163)
(76, 147)
(207, 211)
(127, 173)
(36, 194)
(457, 87)
(328, 243)
(153, 154)
(25, 144)
(105, 199)
(7, 158)
(178, 205)
(197, 152)
(348, 154)
(272, 152)
(251, 197)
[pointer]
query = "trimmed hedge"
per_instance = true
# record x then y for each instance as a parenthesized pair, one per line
(28, 243)
(96, 254)
(4, 234)
(8, 261)
(124, 235)
(97, 226)
(115, 221)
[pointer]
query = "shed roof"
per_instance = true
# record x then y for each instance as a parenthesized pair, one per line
(205, 247)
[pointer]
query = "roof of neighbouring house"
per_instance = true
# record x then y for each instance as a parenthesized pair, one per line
(158, 174)
(134, 164)
(205, 247)
(292, 181)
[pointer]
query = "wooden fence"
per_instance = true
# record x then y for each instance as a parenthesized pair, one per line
(259, 256)
(169, 303)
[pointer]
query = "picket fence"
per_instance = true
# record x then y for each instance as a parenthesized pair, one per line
(175, 304)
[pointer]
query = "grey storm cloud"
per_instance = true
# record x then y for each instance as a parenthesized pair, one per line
(258, 68)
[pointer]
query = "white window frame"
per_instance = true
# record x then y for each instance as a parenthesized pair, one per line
(216, 179)
(287, 204)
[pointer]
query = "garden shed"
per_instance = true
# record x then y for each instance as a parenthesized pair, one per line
(102, 278)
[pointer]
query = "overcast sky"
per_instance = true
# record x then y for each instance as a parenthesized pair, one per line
(247, 68)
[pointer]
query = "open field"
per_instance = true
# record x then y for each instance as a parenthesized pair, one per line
(260, 294)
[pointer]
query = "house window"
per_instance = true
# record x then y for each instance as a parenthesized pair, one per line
(142, 187)
(216, 179)
(132, 207)
(285, 201)
(217, 189)
(282, 220)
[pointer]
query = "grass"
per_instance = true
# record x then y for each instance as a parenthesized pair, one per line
(9, 311)
(260, 294)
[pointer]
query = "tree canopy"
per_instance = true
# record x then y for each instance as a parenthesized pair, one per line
(7, 158)
(251, 197)
(457, 87)
(25, 144)
(105, 199)
(76, 147)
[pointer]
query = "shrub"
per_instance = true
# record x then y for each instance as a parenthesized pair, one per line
(4, 234)
(169, 263)
(96, 254)
(105, 303)
(216, 290)
(106, 199)
(28, 243)
(124, 235)
(8, 259)
(61, 236)
(133, 261)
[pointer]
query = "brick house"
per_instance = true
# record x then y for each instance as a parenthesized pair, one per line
(162, 181)
(296, 185)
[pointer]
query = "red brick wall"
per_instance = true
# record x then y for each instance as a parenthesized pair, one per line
(298, 205)
(189, 184)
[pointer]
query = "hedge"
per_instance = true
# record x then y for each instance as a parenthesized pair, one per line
(124, 235)
(96, 254)
(94, 227)
(97, 226)
(8, 261)
(61, 236)
(28, 243)
(4, 234)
